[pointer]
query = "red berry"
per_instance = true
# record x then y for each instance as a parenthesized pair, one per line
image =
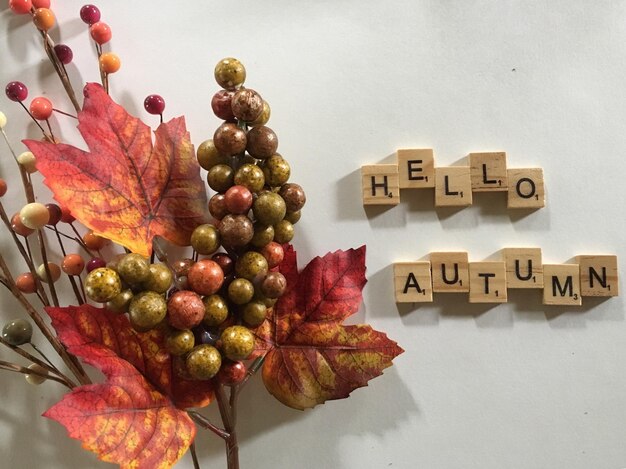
(18, 227)
(185, 310)
(231, 372)
(64, 53)
(100, 32)
(205, 277)
(16, 91)
(3, 187)
(41, 3)
(66, 216)
(41, 108)
(20, 7)
(221, 105)
(55, 213)
(238, 200)
(154, 104)
(273, 253)
(225, 262)
(90, 14)
(26, 283)
(73, 264)
(95, 263)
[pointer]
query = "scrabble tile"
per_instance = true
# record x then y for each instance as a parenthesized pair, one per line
(450, 272)
(561, 284)
(523, 267)
(487, 282)
(412, 282)
(598, 275)
(526, 188)
(416, 168)
(453, 186)
(380, 184)
(488, 171)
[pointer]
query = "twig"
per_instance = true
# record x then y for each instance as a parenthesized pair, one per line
(206, 424)
(44, 258)
(26, 371)
(194, 456)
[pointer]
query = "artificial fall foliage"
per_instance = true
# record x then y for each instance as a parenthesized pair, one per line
(126, 188)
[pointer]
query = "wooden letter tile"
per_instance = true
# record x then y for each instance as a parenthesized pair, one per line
(488, 172)
(380, 184)
(487, 282)
(523, 268)
(453, 186)
(561, 284)
(412, 282)
(598, 275)
(526, 188)
(417, 168)
(450, 272)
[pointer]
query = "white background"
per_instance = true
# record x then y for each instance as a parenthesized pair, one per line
(518, 385)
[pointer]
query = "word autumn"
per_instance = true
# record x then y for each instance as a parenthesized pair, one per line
(454, 185)
(487, 282)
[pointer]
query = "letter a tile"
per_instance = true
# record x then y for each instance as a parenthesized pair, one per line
(412, 282)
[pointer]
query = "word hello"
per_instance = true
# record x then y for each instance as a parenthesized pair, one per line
(454, 185)
(487, 282)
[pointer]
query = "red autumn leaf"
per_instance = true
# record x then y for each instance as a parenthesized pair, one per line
(87, 325)
(314, 357)
(126, 189)
(123, 420)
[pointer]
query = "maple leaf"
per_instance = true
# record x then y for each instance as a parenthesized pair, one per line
(312, 356)
(123, 420)
(88, 325)
(126, 189)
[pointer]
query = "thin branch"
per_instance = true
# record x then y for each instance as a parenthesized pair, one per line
(26, 371)
(207, 425)
(194, 456)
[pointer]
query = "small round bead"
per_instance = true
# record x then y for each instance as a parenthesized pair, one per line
(254, 313)
(64, 53)
(185, 310)
(35, 215)
(18, 227)
(274, 253)
(276, 170)
(221, 105)
(41, 3)
(154, 104)
(230, 73)
(147, 310)
(17, 332)
(250, 176)
(55, 214)
(133, 269)
(237, 342)
(3, 187)
(269, 208)
(181, 267)
(293, 217)
(264, 117)
(66, 216)
(247, 105)
(160, 278)
(100, 32)
(41, 108)
(109, 62)
(95, 263)
(73, 264)
(240, 291)
(203, 362)
(294, 196)
(3, 120)
(179, 342)
(208, 156)
(21, 7)
(231, 373)
(28, 161)
(36, 379)
(121, 302)
(205, 277)
(238, 199)
(90, 14)
(225, 262)
(263, 234)
(252, 266)
(220, 177)
(44, 19)
(217, 206)
(205, 239)
(215, 310)
(26, 283)
(55, 272)
(274, 285)
(236, 230)
(262, 142)
(283, 232)
(229, 139)
(93, 241)
(16, 91)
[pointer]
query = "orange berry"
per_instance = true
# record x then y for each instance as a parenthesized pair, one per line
(100, 32)
(93, 241)
(44, 19)
(18, 227)
(109, 62)
(73, 264)
(41, 3)
(41, 108)
(26, 283)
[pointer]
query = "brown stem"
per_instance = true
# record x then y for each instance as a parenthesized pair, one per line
(44, 258)
(194, 456)
(20, 369)
(232, 447)
(48, 46)
(70, 360)
(206, 424)
(79, 297)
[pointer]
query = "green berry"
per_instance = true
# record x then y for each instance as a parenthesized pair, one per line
(269, 208)
(237, 342)
(17, 332)
(250, 176)
(102, 285)
(134, 269)
(215, 310)
(121, 302)
(263, 235)
(36, 379)
(252, 266)
(205, 239)
(203, 362)
(160, 278)
(179, 342)
(254, 313)
(276, 170)
(220, 177)
(146, 310)
(283, 232)
(240, 291)
(208, 156)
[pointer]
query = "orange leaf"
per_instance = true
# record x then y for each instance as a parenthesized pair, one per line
(314, 356)
(126, 189)
(124, 420)
(87, 325)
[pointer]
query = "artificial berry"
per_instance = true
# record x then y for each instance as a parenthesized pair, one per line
(103, 284)
(240, 291)
(39, 375)
(27, 161)
(205, 277)
(95, 263)
(252, 266)
(204, 361)
(294, 196)
(247, 105)
(34, 215)
(3, 120)
(276, 170)
(17, 332)
(274, 253)
(225, 262)
(208, 156)
(133, 268)
(100, 32)
(66, 216)
(109, 62)
(121, 302)
(21, 7)
(229, 139)
(237, 342)
(147, 310)
(55, 214)
(250, 176)
(90, 14)
(231, 373)
(263, 234)
(274, 285)
(217, 206)
(221, 105)
(293, 217)
(26, 283)
(73, 264)
(16, 91)
(220, 177)
(41, 108)
(238, 200)
(254, 313)
(269, 208)
(215, 310)
(18, 227)
(44, 19)
(41, 3)
(236, 230)
(154, 104)
(64, 53)
(160, 278)
(264, 117)
(53, 269)
(3, 187)
(93, 241)
(262, 142)
(205, 239)
(283, 232)
(185, 310)
(230, 73)
(180, 342)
